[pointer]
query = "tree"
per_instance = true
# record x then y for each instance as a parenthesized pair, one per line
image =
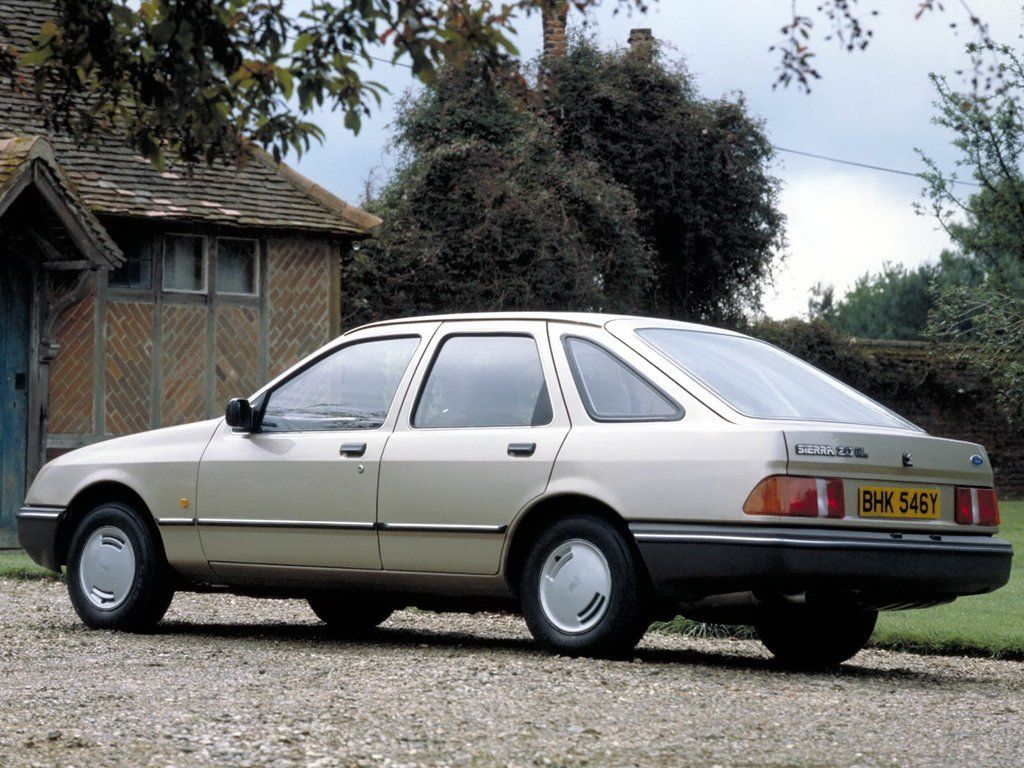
(894, 303)
(201, 79)
(696, 167)
(486, 213)
(985, 323)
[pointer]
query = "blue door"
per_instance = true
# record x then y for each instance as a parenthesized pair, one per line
(15, 284)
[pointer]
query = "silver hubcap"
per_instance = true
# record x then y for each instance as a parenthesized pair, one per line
(106, 570)
(575, 584)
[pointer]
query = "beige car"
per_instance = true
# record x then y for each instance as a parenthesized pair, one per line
(594, 472)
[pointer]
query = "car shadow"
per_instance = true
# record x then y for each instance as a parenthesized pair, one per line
(399, 637)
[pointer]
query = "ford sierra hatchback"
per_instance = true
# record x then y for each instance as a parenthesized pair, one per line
(593, 472)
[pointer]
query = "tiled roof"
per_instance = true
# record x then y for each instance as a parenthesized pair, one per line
(112, 180)
(20, 157)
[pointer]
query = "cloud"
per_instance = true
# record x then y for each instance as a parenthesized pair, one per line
(842, 225)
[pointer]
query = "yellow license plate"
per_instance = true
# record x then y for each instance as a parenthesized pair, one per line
(903, 503)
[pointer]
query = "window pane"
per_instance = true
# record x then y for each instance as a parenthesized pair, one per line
(236, 266)
(613, 391)
(183, 264)
(351, 389)
(137, 270)
(485, 381)
(762, 381)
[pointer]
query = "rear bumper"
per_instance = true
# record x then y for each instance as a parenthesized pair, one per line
(689, 562)
(37, 533)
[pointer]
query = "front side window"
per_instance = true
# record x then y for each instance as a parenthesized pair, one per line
(762, 381)
(137, 270)
(350, 389)
(484, 381)
(236, 266)
(184, 266)
(611, 390)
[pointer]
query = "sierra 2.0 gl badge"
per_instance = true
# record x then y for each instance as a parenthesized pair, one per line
(842, 451)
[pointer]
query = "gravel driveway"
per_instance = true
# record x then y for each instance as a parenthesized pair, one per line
(232, 681)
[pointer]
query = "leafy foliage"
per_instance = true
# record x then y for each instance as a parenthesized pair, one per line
(202, 78)
(894, 303)
(984, 324)
(487, 213)
(845, 24)
(696, 167)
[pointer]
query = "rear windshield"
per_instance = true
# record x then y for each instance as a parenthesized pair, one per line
(762, 381)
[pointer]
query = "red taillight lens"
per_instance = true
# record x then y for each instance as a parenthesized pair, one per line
(835, 498)
(797, 497)
(977, 506)
(988, 507)
(964, 506)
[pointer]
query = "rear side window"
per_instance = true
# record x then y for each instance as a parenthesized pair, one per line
(349, 389)
(611, 390)
(484, 381)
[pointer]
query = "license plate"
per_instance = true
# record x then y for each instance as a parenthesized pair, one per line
(903, 503)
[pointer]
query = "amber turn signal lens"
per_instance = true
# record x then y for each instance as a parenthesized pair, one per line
(786, 496)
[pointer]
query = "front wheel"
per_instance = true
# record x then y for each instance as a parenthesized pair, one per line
(815, 637)
(583, 590)
(117, 576)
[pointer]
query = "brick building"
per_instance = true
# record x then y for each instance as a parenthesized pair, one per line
(132, 298)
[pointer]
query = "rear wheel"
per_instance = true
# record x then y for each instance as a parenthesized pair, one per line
(349, 614)
(815, 637)
(583, 590)
(117, 576)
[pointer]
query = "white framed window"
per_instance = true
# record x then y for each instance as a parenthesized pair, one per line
(237, 266)
(184, 264)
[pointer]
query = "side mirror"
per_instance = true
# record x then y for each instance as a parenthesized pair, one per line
(239, 415)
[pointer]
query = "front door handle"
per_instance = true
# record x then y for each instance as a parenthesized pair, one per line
(521, 449)
(352, 450)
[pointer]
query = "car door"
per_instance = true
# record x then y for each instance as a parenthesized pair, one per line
(302, 489)
(471, 449)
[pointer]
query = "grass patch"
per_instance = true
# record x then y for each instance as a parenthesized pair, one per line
(15, 564)
(983, 625)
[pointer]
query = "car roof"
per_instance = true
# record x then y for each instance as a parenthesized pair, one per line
(596, 319)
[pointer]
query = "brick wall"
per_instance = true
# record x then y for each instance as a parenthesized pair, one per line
(948, 399)
(183, 365)
(129, 367)
(300, 318)
(71, 372)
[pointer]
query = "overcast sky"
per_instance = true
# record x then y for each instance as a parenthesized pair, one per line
(874, 107)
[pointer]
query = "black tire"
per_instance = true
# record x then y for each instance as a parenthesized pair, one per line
(815, 637)
(627, 614)
(347, 614)
(150, 591)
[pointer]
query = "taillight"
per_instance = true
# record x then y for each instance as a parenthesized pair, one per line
(797, 497)
(977, 506)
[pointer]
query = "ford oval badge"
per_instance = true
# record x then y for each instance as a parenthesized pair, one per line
(976, 460)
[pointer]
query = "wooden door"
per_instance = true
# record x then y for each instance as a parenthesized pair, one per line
(15, 286)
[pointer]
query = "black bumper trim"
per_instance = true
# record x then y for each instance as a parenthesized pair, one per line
(692, 561)
(37, 533)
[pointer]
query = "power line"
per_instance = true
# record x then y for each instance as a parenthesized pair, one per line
(777, 148)
(868, 166)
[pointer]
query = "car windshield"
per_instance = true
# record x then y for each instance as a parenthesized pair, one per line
(762, 381)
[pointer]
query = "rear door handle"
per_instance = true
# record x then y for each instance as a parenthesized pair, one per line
(521, 449)
(352, 450)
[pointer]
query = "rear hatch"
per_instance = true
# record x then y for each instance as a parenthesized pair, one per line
(891, 478)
